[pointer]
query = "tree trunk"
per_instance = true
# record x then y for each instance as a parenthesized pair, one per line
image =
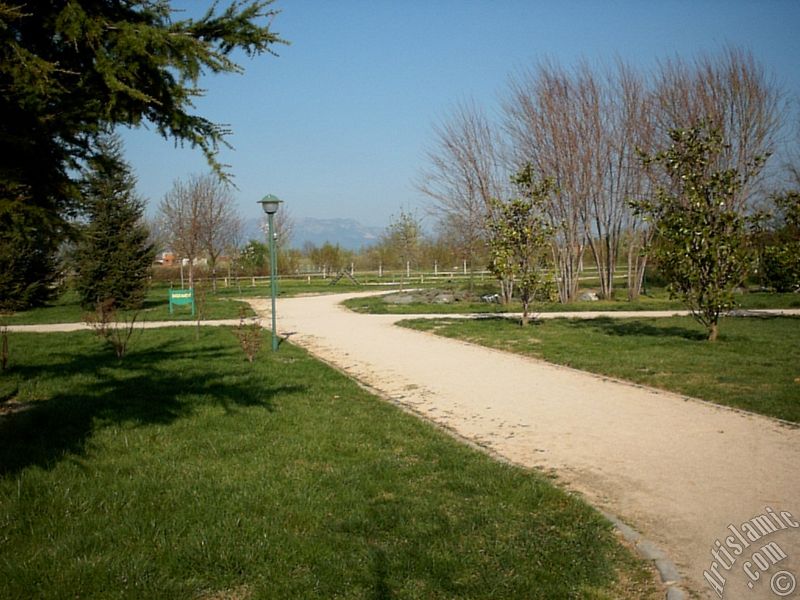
(605, 259)
(713, 332)
(637, 263)
(506, 291)
(569, 268)
(214, 275)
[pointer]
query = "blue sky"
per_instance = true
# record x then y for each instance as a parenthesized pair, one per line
(339, 123)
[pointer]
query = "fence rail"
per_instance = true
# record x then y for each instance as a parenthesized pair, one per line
(376, 277)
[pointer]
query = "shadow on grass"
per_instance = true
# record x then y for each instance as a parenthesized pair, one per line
(380, 568)
(156, 386)
(636, 328)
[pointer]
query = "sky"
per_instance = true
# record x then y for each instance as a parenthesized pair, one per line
(339, 123)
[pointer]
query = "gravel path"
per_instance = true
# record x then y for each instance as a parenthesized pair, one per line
(679, 471)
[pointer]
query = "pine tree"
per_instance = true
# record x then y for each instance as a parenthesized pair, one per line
(113, 256)
(28, 269)
(70, 71)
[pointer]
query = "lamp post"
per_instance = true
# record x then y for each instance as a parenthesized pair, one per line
(270, 205)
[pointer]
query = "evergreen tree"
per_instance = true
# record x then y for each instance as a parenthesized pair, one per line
(113, 255)
(28, 268)
(70, 71)
(780, 260)
(701, 235)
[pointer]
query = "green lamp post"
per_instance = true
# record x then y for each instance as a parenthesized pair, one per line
(270, 204)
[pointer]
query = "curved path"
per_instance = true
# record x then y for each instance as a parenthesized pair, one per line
(680, 471)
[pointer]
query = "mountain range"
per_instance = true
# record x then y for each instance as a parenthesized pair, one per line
(348, 233)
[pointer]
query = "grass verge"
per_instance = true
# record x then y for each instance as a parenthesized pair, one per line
(222, 303)
(187, 472)
(67, 309)
(755, 365)
(657, 300)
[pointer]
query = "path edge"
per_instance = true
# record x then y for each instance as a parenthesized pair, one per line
(668, 573)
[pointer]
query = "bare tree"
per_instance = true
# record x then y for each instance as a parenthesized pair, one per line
(545, 121)
(403, 236)
(465, 174)
(180, 215)
(284, 225)
(631, 129)
(732, 91)
(233, 248)
(219, 221)
(200, 218)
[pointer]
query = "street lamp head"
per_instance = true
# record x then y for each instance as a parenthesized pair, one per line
(270, 203)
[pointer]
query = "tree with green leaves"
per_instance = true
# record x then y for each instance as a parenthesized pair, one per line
(701, 236)
(70, 72)
(520, 240)
(254, 257)
(28, 264)
(780, 259)
(113, 256)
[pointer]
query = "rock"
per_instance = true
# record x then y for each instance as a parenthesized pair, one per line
(588, 297)
(444, 298)
(399, 299)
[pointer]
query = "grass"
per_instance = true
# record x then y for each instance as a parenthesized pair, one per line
(67, 309)
(220, 304)
(657, 299)
(187, 472)
(755, 365)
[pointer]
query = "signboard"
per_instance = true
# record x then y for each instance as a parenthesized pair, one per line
(179, 297)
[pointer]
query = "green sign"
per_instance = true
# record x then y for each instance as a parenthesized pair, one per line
(179, 297)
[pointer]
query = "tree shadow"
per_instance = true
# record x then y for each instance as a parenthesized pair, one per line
(380, 568)
(144, 389)
(636, 328)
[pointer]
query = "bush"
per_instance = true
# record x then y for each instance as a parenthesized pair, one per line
(781, 267)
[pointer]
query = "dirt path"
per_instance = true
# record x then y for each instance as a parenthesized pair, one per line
(677, 470)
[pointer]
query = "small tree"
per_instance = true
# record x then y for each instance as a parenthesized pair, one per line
(218, 222)
(521, 239)
(403, 236)
(115, 328)
(780, 260)
(114, 254)
(254, 257)
(28, 264)
(701, 242)
(180, 212)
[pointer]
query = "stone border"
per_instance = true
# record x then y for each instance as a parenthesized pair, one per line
(667, 570)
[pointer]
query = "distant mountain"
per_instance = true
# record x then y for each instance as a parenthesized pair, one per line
(348, 233)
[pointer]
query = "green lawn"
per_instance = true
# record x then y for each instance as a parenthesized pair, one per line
(755, 365)
(221, 303)
(656, 300)
(187, 472)
(67, 309)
